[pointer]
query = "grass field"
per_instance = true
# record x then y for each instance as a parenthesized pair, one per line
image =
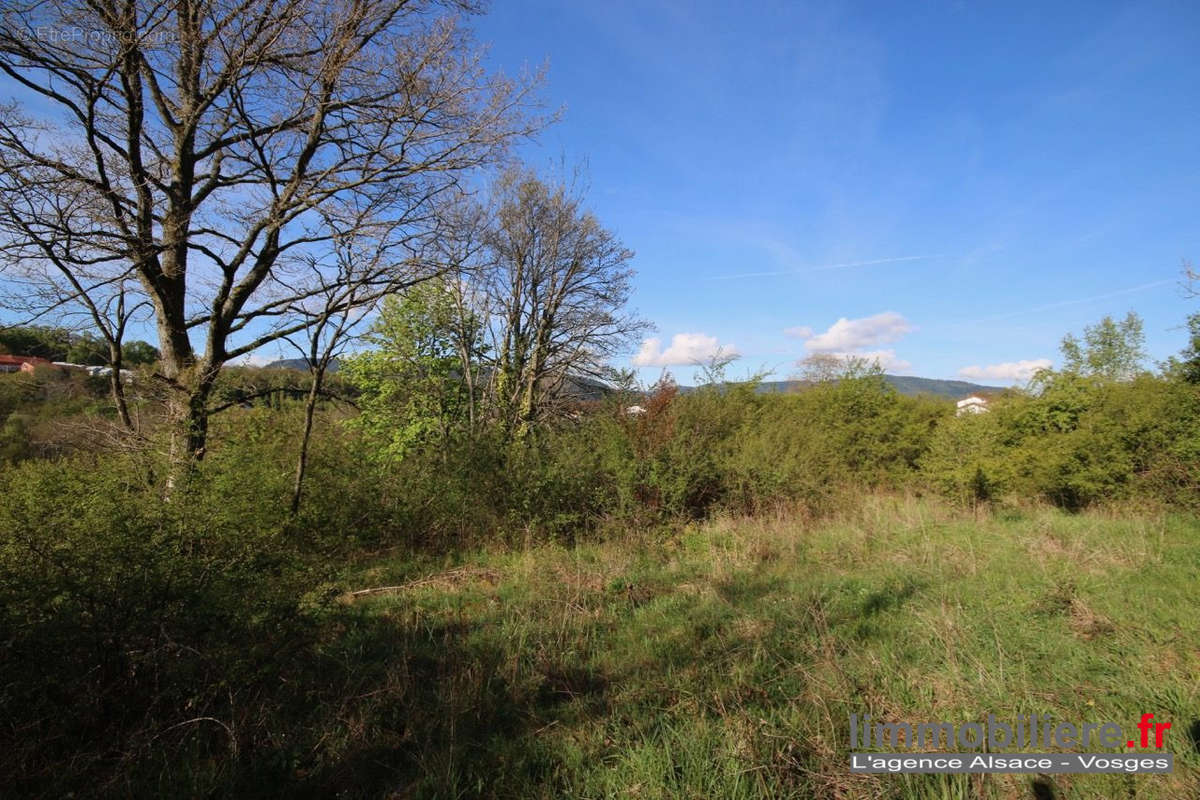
(725, 660)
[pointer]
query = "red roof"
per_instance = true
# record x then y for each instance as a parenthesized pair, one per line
(7, 359)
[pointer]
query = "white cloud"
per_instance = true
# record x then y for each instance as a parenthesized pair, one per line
(887, 358)
(848, 335)
(1008, 371)
(800, 332)
(685, 349)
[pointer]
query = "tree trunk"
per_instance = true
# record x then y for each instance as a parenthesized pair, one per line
(310, 408)
(187, 410)
(115, 362)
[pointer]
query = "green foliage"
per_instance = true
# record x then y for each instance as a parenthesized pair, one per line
(151, 640)
(137, 352)
(123, 614)
(1109, 350)
(962, 460)
(1080, 441)
(36, 340)
(38, 410)
(60, 344)
(276, 388)
(87, 349)
(852, 431)
(1187, 366)
(1099, 430)
(412, 386)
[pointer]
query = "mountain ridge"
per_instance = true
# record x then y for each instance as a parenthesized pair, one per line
(910, 385)
(904, 384)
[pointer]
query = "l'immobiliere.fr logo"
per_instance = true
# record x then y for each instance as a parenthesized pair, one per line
(994, 736)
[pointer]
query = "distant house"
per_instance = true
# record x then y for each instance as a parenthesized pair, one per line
(21, 363)
(971, 405)
(104, 372)
(95, 371)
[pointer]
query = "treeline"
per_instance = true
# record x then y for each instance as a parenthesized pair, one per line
(1078, 441)
(76, 347)
(1102, 428)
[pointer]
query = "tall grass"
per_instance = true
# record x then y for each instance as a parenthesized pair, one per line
(724, 661)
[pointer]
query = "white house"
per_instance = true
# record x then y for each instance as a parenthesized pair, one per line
(971, 405)
(96, 372)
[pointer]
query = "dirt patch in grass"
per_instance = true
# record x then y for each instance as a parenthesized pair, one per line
(450, 580)
(1086, 623)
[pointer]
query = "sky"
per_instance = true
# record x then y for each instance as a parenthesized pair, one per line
(949, 187)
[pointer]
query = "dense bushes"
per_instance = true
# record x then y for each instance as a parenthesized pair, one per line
(51, 412)
(1075, 442)
(150, 640)
(1072, 441)
(123, 615)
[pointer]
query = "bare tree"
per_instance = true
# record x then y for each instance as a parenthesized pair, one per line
(461, 246)
(559, 283)
(353, 277)
(819, 368)
(209, 147)
(823, 367)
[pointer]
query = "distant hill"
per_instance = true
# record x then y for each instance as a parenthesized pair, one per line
(582, 388)
(907, 384)
(298, 363)
(904, 384)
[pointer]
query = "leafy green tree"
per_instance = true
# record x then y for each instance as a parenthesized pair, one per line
(416, 384)
(1109, 349)
(36, 340)
(139, 352)
(1188, 364)
(88, 349)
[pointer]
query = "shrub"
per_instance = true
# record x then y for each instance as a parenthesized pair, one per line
(122, 615)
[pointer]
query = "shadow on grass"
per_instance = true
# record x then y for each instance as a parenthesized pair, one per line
(361, 706)
(414, 711)
(1043, 789)
(890, 597)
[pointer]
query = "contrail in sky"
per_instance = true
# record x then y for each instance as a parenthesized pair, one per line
(819, 268)
(1062, 303)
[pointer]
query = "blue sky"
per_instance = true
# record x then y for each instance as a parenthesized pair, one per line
(995, 174)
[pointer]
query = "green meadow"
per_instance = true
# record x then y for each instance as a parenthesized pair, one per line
(724, 660)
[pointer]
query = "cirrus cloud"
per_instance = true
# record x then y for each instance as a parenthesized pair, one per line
(685, 349)
(1007, 371)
